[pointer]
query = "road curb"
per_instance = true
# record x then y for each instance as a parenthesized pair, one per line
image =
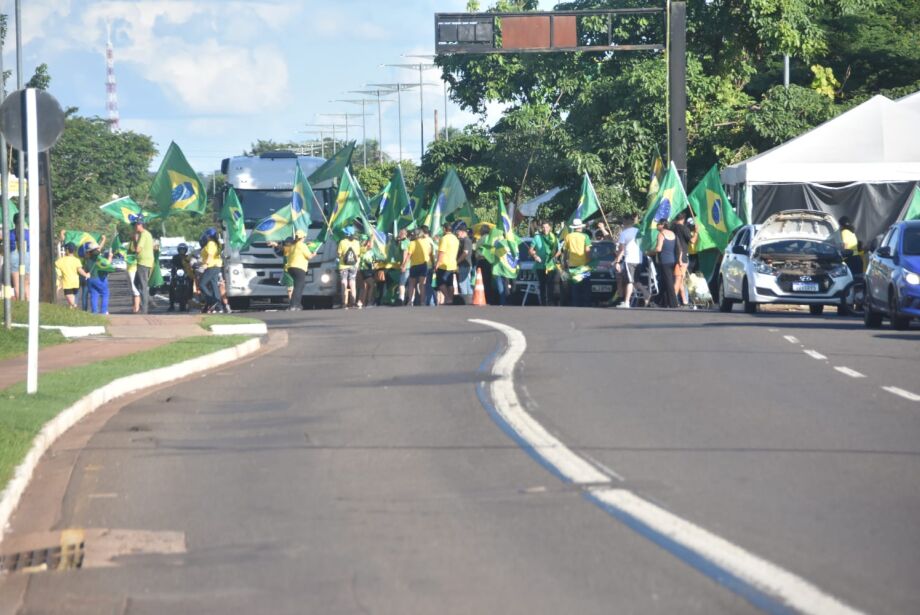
(255, 328)
(69, 332)
(67, 418)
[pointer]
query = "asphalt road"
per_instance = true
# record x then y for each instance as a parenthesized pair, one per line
(357, 469)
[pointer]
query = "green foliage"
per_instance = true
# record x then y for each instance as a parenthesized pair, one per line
(374, 177)
(89, 164)
(15, 342)
(785, 114)
(40, 79)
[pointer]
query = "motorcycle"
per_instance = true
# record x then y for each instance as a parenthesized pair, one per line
(180, 290)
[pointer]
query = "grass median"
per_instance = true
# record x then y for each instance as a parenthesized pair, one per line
(15, 341)
(22, 416)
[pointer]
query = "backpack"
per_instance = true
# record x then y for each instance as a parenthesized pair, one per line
(350, 258)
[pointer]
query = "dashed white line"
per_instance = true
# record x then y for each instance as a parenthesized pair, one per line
(791, 339)
(769, 578)
(852, 373)
(902, 393)
(814, 354)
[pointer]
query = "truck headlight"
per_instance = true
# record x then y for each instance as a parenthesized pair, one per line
(325, 278)
(912, 278)
(235, 271)
(839, 270)
(764, 268)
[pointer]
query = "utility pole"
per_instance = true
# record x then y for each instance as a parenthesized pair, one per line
(378, 94)
(444, 82)
(5, 188)
(346, 116)
(362, 102)
(420, 67)
(333, 126)
(398, 88)
(322, 141)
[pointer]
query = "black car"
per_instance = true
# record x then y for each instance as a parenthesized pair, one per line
(603, 276)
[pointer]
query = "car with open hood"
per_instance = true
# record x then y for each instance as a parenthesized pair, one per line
(794, 257)
(893, 277)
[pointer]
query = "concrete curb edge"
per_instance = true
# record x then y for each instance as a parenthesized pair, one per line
(255, 328)
(67, 418)
(68, 331)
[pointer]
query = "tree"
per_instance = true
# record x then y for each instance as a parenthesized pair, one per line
(89, 164)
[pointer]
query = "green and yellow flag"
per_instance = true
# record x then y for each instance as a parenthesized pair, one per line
(588, 203)
(394, 202)
(670, 201)
(348, 206)
(78, 238)
(123, 207)
(333, 167)
(714, 215)
(232, 215)
(176, 186)
(654, 182)
(500, 248)
(913, 210)
(302, 198)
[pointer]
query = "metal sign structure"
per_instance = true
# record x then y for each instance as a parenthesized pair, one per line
(566, 32)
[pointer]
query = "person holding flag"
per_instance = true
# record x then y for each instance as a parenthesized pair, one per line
(212, 262)
(576, 254)
(99, 269)
(543, 250)
(142, 248)
(297, 257)
(69, 270)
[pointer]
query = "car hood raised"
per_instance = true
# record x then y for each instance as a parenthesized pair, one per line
(799, 224)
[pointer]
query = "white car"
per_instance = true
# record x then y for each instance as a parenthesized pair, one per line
(794, 257)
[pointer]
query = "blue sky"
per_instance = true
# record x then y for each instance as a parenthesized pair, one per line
(216, 75)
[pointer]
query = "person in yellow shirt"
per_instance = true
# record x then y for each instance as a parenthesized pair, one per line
(349, 251)
(69, 271)
(446, 267)
(576, 252)
(213, 263)
(417, 257)
(851, 242)
(142, 247)
(297, 256)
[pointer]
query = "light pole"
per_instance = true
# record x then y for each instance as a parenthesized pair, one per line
(322, 141)
(378, 94)
(333, 126)
(346, 116)
(398, 88)
(362, 102)
(444, 82)
(421, 98)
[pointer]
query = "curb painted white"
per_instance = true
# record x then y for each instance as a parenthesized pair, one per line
(69, 332)
(54, 428)
(255, 328)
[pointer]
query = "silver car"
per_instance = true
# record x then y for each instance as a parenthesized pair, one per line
(794, 257)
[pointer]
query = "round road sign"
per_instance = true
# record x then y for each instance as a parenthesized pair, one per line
(50, 119)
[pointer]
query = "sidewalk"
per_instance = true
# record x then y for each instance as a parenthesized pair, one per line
(128, 333)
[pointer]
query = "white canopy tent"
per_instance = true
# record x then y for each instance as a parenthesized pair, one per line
(867, 158)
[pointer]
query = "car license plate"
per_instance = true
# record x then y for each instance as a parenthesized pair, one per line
(603, 288)
(805, 287)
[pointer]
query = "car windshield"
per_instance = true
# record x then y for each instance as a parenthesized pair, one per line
(260, 204)
(911, 241)
(799, 247)
(603, 251)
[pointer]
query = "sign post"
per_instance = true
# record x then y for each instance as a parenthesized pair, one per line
(32, 121)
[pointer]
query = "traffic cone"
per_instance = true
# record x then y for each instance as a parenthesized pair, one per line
(479, 292)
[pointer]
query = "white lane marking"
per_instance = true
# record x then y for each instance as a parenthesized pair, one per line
(507, 405)
(795, 591)
(902, 393)
(791, 339)
(852, 373)
(814, 354)
(766, 576)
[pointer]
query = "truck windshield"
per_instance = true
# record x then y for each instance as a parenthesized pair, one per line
(260, 204)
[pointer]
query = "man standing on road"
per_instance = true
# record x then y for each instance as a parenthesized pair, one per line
(213, 264)
(576, 252)
(446, 266)
(349, 251)
(627, 259)
(142, 246)
(464, 259)
(543, 250)
(298, 258)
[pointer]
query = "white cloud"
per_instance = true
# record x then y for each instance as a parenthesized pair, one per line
(336, 23)
(227, 64)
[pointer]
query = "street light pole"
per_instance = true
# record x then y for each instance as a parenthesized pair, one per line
(421, 98)
(398, 88)
(346, 116)
(362, 102)
(377, 93)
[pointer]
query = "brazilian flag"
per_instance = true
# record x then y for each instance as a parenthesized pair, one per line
(348, 206)
(301, 198)
(588, 203)
(670, 201)
(232, 215)
(123, 207)
(714, 215)
(78, 238)
(275, 227)
(500, 247)
(334, 167)
(176, 186)
(394, 201)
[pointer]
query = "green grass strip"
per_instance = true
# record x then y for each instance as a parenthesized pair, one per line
(57, 315)
(224, 319)
(22, 416)
(16, 341)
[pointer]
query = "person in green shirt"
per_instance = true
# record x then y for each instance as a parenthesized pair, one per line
(99, 269)
(142, 247)
(543, 250)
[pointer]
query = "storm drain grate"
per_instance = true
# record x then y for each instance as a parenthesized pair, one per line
(62, 557)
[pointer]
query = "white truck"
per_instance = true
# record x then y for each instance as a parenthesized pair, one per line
(263, 184)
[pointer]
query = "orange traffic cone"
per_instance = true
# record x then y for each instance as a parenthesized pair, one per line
(479, 292)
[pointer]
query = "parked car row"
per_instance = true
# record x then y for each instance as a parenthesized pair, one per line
(797, 257)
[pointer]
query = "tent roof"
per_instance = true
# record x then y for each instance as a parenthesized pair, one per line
(876, 141)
